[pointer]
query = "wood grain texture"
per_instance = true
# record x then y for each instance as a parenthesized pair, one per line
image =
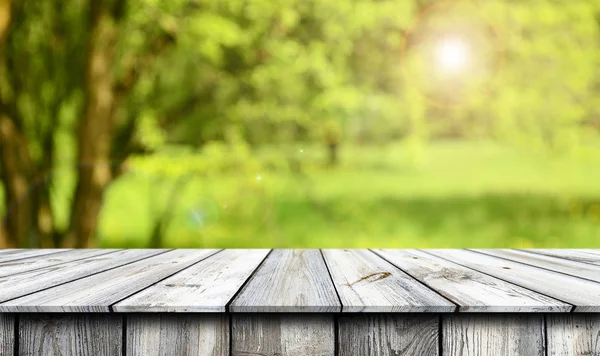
(289, 281)
(70, 335)
(553, 284)
(493, 335)
(471, 290)
(36, 280)
(574, 268)
(388, 335)
(367, 283)
(44, 261)
(283, 335)
(205, 287)
(586, 256)
(98, 292)
(573, 334)
(177, 335)
(7, 334)
(17, 254)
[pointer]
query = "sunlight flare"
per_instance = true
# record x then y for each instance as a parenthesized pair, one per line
(453, 55)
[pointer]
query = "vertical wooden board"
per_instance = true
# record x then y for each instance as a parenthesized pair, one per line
(573, 334)
(493, 335)
(70, 334)
(283, 334)
(388, 335)
(7, 334)
(289, 281)
(177, 334)
(367, 283)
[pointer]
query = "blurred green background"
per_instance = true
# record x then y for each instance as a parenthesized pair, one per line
(299, 123)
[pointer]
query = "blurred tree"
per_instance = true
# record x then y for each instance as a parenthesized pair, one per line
(59, 63)
(14, 157)
(96, 128)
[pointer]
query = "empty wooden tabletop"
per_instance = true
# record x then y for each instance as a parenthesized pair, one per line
(310, 281)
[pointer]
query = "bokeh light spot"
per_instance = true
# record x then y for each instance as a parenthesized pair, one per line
(453, 55)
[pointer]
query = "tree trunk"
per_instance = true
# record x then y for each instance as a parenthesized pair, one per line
(48, 237)
(332, 158)
(3, 236)
(18, 228)
(16, 175)
(96, 128)
(5, 16)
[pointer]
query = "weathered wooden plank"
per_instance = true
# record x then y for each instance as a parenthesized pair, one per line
(586, 256)
(177, 334)
(7, 334)
(32, 281)
(70, 334)
(98, 292)
(388, 335)
(367, 283)
(471, 290)
(17, 254)
(38, 262)
(573, 334)
(574, 268)
(493, 335)
(289, 281)
(550, 283)
(280, 334)
(205, 287)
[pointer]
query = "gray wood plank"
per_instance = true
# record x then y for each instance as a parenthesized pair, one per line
(553, 284)
(573, 334)
(283, 335)
(586, 256)
(388, 335)
(367, 283)
(32, 281)
(17, 254)
(289, 281)
(493, 335)
(38, 262)
(574, 268)
(177, 335)
(98, 292)
(7, 334)
(471, 290)
(70, 335)
(205, 287)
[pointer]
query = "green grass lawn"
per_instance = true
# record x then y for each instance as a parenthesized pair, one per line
(448, 194)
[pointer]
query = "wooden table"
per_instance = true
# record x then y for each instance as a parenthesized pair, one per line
(300, 302)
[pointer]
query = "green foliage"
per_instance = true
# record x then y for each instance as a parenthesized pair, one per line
(202, 87)
(547, 89)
